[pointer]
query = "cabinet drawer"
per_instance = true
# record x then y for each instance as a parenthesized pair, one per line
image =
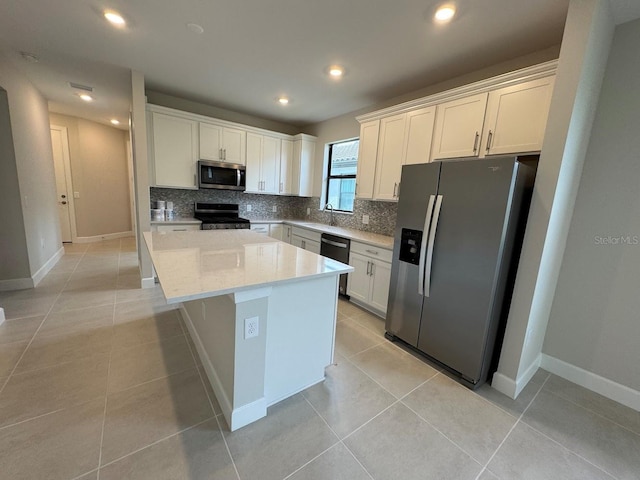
(174, 228)
(381, 254)
(309, 234)
(260, 228)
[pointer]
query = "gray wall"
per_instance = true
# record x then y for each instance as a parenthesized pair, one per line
(99, 172)
(13, 241)
(594, 319)
(34, 163)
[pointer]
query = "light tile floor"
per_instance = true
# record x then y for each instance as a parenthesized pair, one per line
(98, 380)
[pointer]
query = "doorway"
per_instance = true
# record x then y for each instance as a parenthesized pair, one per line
(64, 185)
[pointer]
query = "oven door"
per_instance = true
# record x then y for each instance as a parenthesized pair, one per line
(224, 176)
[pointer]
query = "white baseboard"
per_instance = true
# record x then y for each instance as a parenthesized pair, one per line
(99, 238)
(15, 284)
(36, 278)
(591, 381)
(510, 387)
(236, 418)
(148, 282)
(46, 268)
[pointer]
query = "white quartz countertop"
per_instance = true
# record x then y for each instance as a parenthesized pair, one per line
(177, 221)
(374, 239)
(200, 263)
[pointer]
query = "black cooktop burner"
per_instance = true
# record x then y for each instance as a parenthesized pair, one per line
(218, 213)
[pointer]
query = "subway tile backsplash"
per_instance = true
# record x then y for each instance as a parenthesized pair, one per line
(382, 215)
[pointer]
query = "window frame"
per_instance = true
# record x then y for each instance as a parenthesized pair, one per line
(339, 177)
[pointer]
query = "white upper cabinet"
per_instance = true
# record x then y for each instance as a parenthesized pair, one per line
(458, 128)
(367, 152)
(389, 160)
(403, 139)
(304, 149)
(286, 168)
(263, 164)
(517, 116)
(419, 135)
(222, 144)
(174, 150)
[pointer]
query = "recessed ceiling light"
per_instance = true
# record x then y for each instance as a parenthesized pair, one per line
(114, 17)
(336, 71)
(283, 100)
(115, 121)
(195, 28)
(444, 13)
(86, 97)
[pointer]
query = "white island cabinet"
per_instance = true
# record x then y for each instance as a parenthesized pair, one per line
(242, 295)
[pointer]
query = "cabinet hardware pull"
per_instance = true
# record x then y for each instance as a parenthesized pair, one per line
(372, 252)
(489, 138)
(225, 153)
(475, 142)
(195, 181)
(221, 157)
(372, 269)
(368, 264)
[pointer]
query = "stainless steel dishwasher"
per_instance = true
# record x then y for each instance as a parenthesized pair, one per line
(337, 248)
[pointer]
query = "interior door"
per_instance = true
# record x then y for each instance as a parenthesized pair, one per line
(60, 147)
(468, 245)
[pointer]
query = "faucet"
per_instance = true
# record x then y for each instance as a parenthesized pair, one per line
(329, 207)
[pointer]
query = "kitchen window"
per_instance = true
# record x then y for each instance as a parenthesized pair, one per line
(341, 176)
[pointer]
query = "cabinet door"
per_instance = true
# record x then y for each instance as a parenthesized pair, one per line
(286, 168)
(304, 168)
(459, 127)
(359, 279)
(254, 152)
(389, 161)
(296, 241)
(517, 117)
(233, 145)
(419, 135)
(210, 146)
(312, 246)
(367, 152)
(286, 234)
(276, 230)
(175, 151)
(270, 165)
(380, 281)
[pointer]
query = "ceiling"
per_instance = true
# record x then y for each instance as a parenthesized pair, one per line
(253, 51)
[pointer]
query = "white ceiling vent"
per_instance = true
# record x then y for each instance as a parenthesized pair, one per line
(81, 87)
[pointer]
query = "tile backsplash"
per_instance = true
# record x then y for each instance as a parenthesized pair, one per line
(382, 215)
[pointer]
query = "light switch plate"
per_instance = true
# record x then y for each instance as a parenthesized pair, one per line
(248, 208)
(365, 219)
(275, 209)
(76, 194)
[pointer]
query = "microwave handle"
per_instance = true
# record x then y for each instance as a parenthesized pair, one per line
(238, 177)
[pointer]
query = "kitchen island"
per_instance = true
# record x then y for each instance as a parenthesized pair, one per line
(262, 313)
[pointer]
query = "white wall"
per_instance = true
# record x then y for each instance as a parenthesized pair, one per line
(34, 162)
(594, 319)
(583, 56)
(99, 171)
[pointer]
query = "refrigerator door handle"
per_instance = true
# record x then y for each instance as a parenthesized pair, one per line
(432, 240)
(423, 244)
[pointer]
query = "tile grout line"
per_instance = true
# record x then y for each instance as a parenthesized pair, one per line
(33, 418)
(213, 410)
(40, 326)
(106, 390)
(339, 442)
(518, 420)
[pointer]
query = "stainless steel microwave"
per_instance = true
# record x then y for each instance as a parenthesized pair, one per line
(224, 176)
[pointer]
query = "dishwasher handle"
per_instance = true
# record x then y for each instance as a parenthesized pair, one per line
(335, 244)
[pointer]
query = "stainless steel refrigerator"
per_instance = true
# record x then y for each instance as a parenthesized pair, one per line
(457, 241)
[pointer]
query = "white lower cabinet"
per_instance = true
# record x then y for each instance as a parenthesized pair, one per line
(286, 233)
(276, 231)
(369, 283)
(260, 228)
(306, 239)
